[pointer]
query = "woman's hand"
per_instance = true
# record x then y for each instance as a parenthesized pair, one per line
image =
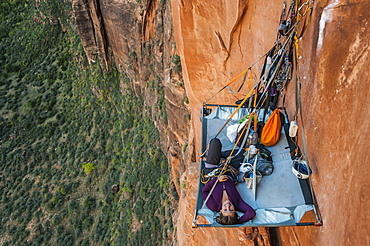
(222, 178)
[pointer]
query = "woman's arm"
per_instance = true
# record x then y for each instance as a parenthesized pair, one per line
(207, 188)
(239, 203)
(249, 212)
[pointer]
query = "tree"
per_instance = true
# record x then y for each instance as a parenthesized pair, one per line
(88, 167)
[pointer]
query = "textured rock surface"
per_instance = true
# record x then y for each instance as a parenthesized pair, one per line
(92, 31)
(335, 54)
(335, 80)
(216, 40)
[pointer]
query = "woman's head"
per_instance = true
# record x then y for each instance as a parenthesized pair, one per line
(227, 220)
(228, 215)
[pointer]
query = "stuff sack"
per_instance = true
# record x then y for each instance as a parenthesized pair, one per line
(271, 130)
(233, 130)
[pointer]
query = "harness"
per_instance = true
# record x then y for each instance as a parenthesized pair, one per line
(218, 171)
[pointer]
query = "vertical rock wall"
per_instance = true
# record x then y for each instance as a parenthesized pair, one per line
(335, 89)
(217, 40)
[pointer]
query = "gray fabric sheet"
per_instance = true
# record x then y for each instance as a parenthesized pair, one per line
(281, 188)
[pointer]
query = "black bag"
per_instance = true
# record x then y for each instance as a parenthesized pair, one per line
(265, 167)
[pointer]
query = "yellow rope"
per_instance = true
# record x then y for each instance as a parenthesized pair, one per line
(237, 77)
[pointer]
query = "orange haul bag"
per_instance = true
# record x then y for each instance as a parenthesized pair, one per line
(271, 131)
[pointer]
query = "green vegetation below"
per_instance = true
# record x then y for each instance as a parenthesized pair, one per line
(68, 132)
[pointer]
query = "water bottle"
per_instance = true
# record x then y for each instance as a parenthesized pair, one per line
(293, 129)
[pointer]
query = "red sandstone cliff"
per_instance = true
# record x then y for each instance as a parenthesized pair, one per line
(216, 40)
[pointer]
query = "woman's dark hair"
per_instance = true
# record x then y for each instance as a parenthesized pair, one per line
(227, 220)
